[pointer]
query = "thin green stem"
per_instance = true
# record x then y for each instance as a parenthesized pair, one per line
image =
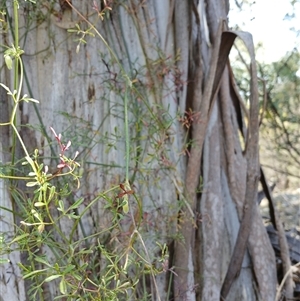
(21, 79)
(20, 139)
(13, 113)
(14, 177)
(16, 78)
(16, 19)
(47, 207)
(127, 146)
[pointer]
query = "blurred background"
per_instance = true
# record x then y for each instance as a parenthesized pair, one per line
(275, 27)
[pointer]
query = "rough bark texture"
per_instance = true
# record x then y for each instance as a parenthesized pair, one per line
(81, 97)
(229, 178)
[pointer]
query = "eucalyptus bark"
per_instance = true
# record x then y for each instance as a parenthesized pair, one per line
(229, 179)
(176, 54)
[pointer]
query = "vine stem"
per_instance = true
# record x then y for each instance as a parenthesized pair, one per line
(17, 100)
(127, 146)
(16, 78)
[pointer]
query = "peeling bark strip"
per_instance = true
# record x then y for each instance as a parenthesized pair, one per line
(251, 152)
(284, 248)
(205, 102)
(237, 257)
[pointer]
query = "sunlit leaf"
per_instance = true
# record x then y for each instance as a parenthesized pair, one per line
(41, 228)
(6, 88)
(63, 286)
(50, 278)
(39, 204)
(8, 61)
(31, 184)
(33, 273)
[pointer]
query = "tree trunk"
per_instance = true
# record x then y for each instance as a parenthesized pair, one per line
(196, 192)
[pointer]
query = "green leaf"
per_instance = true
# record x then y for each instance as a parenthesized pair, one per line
(8, 61)
(72, 215)
(61, 206)
(31, 184)
(41, 228)
(78, 277)
(36, 215)
(69, 268)
(6, 88)
(43, 261)
(50, 278)
(76, 204)
(27, 99)
(19, 238)
(52, 192)
(63, 286)
(33, 273)
(125, 206)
